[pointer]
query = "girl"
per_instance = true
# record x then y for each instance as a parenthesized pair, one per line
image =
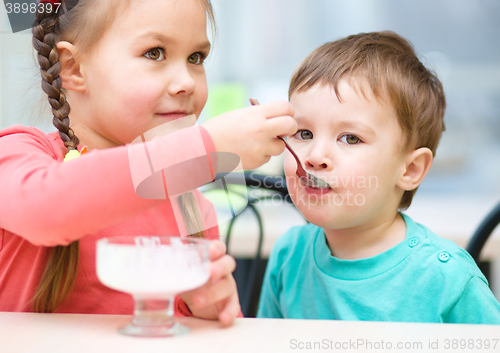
(125, 67)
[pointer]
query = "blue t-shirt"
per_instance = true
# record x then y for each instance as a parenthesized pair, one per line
(422, 279)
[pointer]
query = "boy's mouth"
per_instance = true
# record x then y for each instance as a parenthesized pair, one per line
(316, 191)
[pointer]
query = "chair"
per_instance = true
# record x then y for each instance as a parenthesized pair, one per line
(483, 232)
(249, 273)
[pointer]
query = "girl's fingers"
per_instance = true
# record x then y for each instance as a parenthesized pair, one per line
(219, 271)
(219, 291)
(216, 249)
(282, 126)
(276, 108)
(222, 267)
(275, 148)
(231, 310)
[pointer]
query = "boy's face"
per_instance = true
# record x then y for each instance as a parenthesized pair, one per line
(355, 145)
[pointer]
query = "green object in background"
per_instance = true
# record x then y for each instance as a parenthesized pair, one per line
(224, 97)
(219, 197)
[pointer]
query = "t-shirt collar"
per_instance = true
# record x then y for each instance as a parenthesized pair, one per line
(363, 268)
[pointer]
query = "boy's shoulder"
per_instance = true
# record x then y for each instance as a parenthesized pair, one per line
(443, 255)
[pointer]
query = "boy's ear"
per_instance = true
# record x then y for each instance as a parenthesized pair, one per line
(417, 165)
(71, 74)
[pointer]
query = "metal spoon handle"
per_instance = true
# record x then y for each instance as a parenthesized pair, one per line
(302, 172)
(305, 177)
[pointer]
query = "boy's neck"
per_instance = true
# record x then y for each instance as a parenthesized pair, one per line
(373, 239)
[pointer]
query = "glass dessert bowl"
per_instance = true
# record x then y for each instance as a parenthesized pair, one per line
(153, 269)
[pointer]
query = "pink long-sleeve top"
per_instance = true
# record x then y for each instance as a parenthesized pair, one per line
(45, 202)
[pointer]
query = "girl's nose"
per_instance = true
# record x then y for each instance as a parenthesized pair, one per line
(181, 81)
(319, 158)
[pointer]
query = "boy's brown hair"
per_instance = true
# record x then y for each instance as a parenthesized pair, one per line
(394, 74)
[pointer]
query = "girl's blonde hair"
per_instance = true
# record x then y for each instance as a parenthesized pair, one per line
(81, 22)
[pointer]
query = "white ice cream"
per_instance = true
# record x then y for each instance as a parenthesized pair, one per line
(151, 271)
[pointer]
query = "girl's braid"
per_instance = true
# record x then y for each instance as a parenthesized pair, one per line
(45, 39)
(59, 276)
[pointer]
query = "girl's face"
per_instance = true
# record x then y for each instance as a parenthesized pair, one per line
(146, 70)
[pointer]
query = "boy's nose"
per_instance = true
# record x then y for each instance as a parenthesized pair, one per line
(319, 158)
(181, 81)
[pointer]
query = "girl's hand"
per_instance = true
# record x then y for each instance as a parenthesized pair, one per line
(218, 298)
(251, 132)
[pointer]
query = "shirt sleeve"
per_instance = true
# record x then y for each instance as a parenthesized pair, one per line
(477, 305)
(51, 203)
(269, 306)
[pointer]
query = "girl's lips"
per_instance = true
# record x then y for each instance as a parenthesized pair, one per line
(172, 115)
(314, 191)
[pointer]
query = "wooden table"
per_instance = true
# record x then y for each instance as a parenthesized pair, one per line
(28, 332)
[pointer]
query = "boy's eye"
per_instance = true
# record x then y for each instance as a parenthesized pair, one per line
(304, 134)
(156, 54)
(350, 139)
(196, 58)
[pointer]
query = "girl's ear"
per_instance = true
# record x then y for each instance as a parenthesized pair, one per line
(71, 74)
(417, 165)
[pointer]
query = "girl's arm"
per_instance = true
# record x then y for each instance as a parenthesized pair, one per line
(52, 203)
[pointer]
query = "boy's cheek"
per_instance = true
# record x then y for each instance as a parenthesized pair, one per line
(291, 178)
(289, 166)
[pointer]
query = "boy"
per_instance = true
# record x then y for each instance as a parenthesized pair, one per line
(369, 116)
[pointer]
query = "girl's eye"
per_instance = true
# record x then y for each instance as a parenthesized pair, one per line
(156, 54)
(350, 139)
(304, 135)
(196, 58)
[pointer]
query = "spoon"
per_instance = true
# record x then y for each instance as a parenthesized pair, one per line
(304, 176)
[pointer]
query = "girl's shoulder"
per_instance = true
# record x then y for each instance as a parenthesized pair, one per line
(19, 137)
